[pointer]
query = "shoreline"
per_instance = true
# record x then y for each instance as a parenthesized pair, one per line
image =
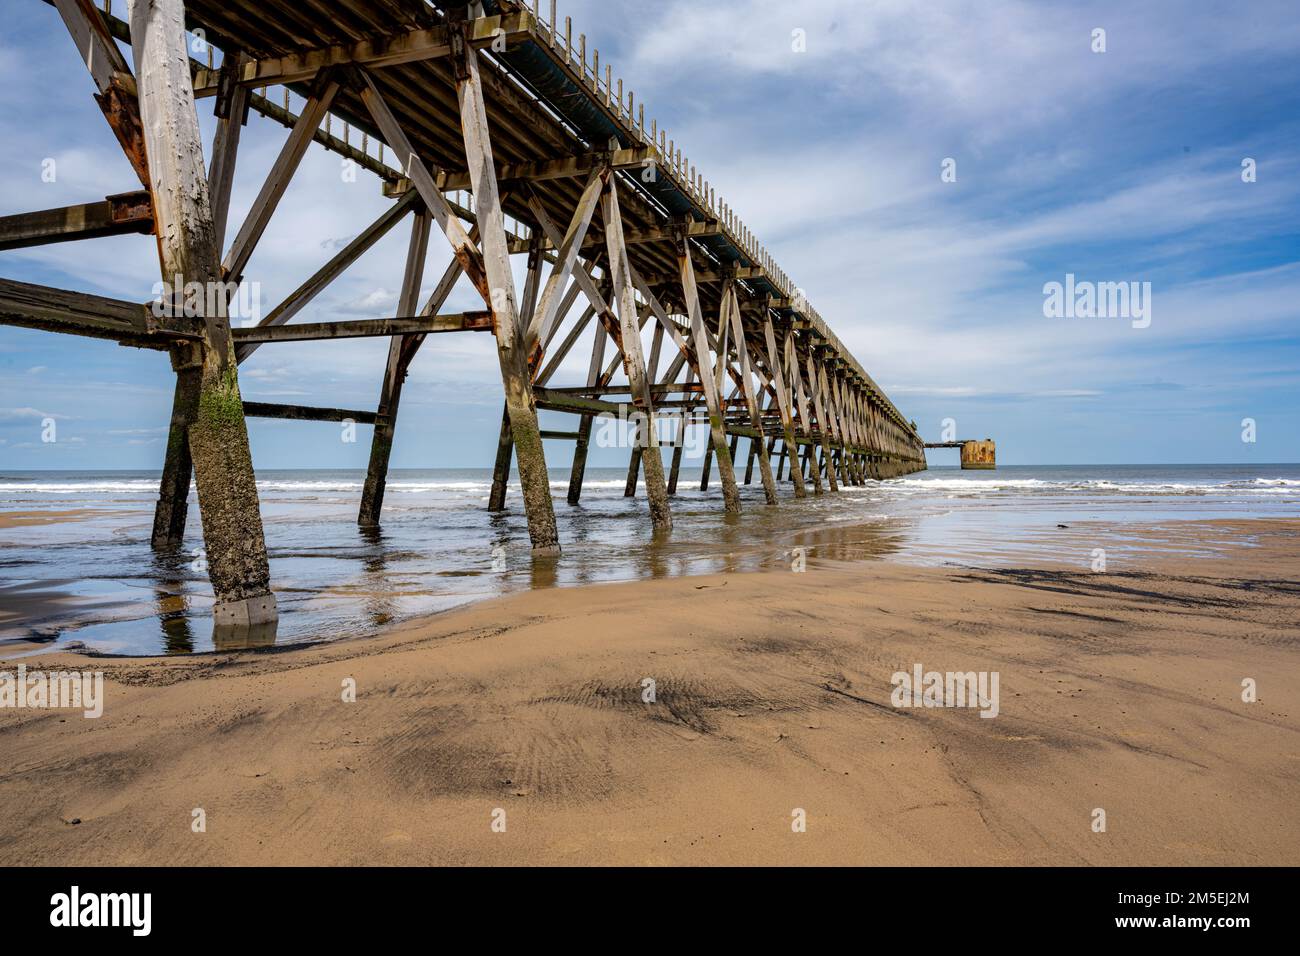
(1136, 542)
(773, 694)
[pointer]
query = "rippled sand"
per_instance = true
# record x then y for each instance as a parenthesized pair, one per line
(1119, 691)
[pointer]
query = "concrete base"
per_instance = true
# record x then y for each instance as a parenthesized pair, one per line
(246, 613)
(244, 638)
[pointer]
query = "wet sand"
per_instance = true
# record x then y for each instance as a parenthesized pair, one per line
(1119, 691)
(19, 519)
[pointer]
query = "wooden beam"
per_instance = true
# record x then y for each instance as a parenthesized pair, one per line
(308, 413)
(409, 47)
(115, 216)
(349, 254)
(225, 147)
(462, 245)
(801, 398)
(783, 403)
(480, 321)
(505, 436)
(634, 362)
(732, 307)
(277, 181)
(823, 421)
(80, 313)
(569, 167)
(116, 95)
(548, 308)
(578, 469)
(512, 353)
(746, 273)
(218, 436)
(549, 398)
(712, 398)
(390, 393)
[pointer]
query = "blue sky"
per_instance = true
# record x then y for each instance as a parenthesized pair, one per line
(1115, 167)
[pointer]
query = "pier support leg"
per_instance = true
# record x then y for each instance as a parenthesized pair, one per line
(505, 440)
(712, 399)
(390, 393)
(178, 468)
(218, 436)
(656, 485)
(823, 423)
(675, 468)
(584, 427)
(501, 468)
(512, 350)
(756, 448)
(679, 440)
(579, 469)
(784, 405)
(633, 472)
(801, 403)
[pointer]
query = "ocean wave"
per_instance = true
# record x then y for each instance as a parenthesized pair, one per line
(1256, 486)
(150, 486)
(1247, 487)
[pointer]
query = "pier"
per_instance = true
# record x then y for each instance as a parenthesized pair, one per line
(496, 132)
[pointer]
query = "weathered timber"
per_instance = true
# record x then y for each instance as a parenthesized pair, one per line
(505, 438)
(116, 95)
(783, 403)
(480, 321)
(115, 216)
(579, 467)
(732, 309)
(95, 316)
(823, 422)
(372, 494)
(512, 351)
(730, 493)
(634, 362)
(277, 181)
(232, 114)
(308, 413)
(303, 295)
(218, 437)
(408, 47)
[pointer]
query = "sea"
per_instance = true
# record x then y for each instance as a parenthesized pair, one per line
(94, 584)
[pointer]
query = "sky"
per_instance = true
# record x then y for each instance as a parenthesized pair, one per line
(922, 170)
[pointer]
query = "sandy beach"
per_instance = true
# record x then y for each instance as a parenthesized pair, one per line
(1119, 691)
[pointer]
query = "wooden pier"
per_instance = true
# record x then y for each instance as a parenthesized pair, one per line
(495, 132)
